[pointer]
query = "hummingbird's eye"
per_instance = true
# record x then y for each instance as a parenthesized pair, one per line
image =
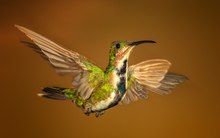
(117, 45)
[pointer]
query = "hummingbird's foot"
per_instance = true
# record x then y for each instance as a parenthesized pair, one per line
(98, 114)
(87, 113)
(88, 110)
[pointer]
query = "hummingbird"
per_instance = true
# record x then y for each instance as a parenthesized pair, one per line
(95, 90)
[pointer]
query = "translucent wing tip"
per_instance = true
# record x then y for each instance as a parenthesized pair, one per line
(20, 28)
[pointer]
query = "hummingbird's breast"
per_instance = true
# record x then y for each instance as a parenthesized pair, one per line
(102, 97)
(105, 103)
(117, 79)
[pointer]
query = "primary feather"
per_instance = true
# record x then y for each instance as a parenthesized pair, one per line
(66, 62)
(150, 75)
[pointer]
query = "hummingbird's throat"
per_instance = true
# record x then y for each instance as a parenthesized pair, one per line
(118, 71)
(121, 76)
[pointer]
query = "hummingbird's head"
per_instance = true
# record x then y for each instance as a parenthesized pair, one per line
(121, 50)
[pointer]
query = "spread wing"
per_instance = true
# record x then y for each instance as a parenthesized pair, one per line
(64, 61)
(150, 75)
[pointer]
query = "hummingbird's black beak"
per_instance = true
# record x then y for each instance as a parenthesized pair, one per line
(135, 43)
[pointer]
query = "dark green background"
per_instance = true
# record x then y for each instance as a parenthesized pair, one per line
(187, 34)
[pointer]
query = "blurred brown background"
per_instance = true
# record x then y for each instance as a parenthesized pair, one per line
(187, 34)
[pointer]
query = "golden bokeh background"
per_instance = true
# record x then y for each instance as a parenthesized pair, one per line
(187, 34)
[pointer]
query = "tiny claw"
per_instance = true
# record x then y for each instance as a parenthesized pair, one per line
(98, 114)
(87, 113)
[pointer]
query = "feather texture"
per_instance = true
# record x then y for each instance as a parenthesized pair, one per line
(66, 62)
(150, 75)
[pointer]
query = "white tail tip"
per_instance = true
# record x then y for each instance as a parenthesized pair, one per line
(40, 94)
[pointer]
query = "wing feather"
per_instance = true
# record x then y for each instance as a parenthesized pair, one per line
(66, 62)
(150, 75)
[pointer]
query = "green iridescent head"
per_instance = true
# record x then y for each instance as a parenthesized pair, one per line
(120, 49)
(117, 47)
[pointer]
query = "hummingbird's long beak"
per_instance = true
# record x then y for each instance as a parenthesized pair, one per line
(135, 43)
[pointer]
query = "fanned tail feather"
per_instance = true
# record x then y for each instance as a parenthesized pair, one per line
(56, 93)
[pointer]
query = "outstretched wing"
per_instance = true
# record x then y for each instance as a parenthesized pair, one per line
(150, 75)
(64, 61)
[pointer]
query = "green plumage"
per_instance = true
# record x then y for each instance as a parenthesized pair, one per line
(95, 90)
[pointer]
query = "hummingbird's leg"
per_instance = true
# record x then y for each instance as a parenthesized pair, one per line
(87, 109)
(99, 113)
(87, 113)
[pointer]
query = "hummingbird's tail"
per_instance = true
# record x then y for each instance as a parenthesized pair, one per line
(57, 93)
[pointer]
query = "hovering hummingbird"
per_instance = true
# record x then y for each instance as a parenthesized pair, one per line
(95, 90)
